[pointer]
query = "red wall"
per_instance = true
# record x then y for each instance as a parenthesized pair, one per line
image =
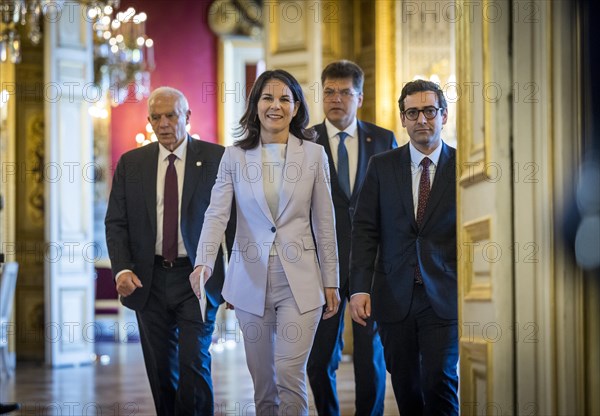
(185, 52)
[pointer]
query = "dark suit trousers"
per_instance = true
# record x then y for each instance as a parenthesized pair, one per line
(369, 365)
(175, 343)
(421, 354)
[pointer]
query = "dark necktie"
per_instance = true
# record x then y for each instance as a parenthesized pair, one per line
(170, 212)
(343, 169)
(424, 188)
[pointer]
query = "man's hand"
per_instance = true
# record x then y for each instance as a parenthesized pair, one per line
(360, 308)
(195, 278)
(127, 283)
(332, 296)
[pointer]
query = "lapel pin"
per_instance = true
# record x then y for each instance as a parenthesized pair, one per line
(368, 140)
(199, 163)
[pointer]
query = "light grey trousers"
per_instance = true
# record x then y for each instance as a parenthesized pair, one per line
(277, 346)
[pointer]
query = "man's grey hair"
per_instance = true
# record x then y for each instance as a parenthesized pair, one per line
(182, 102)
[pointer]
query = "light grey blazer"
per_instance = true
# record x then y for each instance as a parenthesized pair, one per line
(305, 196)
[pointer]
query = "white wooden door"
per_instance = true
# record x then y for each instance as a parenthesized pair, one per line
(69, 267)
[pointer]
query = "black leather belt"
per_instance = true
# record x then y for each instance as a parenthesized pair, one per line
(167, 264)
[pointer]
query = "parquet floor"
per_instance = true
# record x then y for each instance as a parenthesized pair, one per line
(116, 385)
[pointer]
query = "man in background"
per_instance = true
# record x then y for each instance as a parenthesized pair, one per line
(349, 143)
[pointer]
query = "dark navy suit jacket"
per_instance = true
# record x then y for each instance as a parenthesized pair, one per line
(387, 243)
(131, 216)
(371, 140)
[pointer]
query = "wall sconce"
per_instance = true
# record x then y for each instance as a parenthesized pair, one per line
(98, 110)
(142, 139)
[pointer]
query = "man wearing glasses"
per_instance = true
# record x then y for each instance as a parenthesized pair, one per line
(403, 260)
(349, 144)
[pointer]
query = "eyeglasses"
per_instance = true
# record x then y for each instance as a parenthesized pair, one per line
(347, 93)
(429, 112)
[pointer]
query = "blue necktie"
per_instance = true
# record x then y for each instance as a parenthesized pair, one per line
(343, 169)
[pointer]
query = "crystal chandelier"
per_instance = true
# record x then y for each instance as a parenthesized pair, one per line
(124, 54)
(15, 12)
(29, 13)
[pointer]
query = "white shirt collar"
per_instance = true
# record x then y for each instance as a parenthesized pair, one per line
(416, 157)
(163, 152)
(332, 130)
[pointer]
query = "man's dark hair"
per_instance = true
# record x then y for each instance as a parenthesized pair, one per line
(420, 85)
(249, 129)
(344, 69)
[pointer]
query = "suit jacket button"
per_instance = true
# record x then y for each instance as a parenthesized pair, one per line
(273, 229)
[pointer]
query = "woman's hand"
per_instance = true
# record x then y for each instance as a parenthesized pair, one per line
(195, 278)
(332, 296)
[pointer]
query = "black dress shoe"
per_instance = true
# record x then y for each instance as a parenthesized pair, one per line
(9, 407)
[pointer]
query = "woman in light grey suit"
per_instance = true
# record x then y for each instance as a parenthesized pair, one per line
(282, 270)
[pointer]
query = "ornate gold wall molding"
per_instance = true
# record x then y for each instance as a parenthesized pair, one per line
(476, 377)
(476, 238)
(289, 32)
(30, 198)
(475, 113)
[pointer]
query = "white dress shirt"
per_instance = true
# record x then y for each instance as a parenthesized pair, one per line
(273, 160)
(162, 164)
(416, 169)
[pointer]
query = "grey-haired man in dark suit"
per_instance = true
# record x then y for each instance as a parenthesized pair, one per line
(159, 195)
